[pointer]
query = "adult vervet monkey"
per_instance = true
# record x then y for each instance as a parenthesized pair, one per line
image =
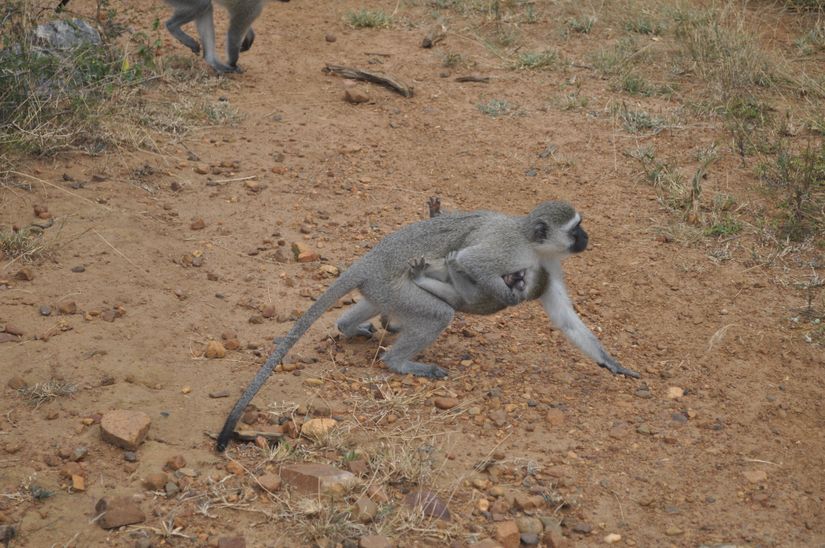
(239, 37)
(505, 259)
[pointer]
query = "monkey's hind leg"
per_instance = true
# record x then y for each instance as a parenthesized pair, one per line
(421, 321)
(206, 29)
(186, 12)
(355, 321)
(240, 29)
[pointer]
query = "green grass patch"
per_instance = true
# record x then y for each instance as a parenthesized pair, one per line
(726, 226)
(635, 85)
(719, 48)
(542, 60)
(798, 178)
(635, 121)
(368, 19)
(812, 41)
(581, 25)
(495, 108)
(644, 24)
(616, 58)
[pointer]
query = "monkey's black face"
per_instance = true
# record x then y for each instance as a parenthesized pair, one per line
(579, 237)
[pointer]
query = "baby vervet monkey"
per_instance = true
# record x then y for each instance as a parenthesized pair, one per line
(490, 261)
(239, 37)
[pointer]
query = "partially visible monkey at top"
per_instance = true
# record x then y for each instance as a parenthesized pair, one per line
(476, 262)
(239, 37)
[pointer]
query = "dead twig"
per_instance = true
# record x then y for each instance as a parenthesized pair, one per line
(116, 250)
(235, 180)
(61, 189)
(473, 78)
(375, 78)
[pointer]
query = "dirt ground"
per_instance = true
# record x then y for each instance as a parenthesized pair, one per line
(734, 457)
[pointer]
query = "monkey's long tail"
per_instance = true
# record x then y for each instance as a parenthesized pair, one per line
(343, 285)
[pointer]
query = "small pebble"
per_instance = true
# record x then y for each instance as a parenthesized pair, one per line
(171, 489)
(79, 268)
(45, 310)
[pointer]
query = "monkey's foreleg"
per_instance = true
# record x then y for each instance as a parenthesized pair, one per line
(560, 310)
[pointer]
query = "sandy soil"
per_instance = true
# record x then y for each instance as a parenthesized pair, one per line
(737, 458)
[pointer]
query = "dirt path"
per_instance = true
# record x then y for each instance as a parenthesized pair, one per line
(737, 458)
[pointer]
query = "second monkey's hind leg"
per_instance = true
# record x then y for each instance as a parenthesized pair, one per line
(355, 320)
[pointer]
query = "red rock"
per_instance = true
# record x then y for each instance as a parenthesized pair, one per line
(375, 541)
(365, 509)
(445, 403)
(67, 307)
(313, 479)
(486, 543)
(231, 542)
(198, 224)
(234, 468)
(117, 512)
(308, 257)
(176, 463)
(555, 417)
(215, 349)
(270, 482)
(71, 469)
(125, 428)
(13, 330)
(8, 337)
(507, 534)
(428, 503)
(16, 383)
(156, 481)
(355, 96)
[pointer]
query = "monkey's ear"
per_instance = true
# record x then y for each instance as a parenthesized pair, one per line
(539, 231)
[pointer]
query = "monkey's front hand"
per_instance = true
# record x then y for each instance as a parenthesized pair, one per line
(616, 368)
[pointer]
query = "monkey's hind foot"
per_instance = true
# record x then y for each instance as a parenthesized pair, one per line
(420, 370)
(418, 266)
(614, 367)
(365, 329)
(434, 205)
(220, 68)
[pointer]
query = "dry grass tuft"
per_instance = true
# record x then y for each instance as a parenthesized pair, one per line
(42, 392)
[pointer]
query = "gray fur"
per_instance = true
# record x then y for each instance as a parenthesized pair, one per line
(485, 247)
(242, 13)
(550, 229)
